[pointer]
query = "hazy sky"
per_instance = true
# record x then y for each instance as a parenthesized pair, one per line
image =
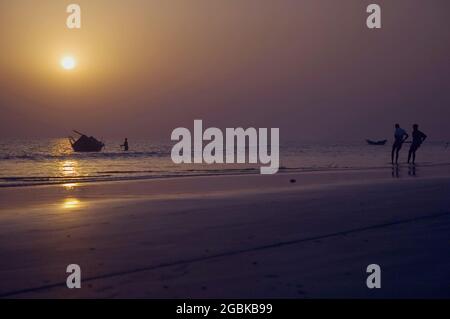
(145, 67)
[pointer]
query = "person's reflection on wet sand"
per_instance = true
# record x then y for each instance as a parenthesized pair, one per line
(395, 171)
(412, 170)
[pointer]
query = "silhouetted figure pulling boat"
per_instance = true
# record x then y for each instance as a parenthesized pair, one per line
(125, 145)
(85, 143)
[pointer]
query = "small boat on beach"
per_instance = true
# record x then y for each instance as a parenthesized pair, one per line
(85, 143)
(370, 142)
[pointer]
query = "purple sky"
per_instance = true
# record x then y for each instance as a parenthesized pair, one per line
(309, 67)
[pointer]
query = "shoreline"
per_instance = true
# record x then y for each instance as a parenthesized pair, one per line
(59, 180)
(197, 185)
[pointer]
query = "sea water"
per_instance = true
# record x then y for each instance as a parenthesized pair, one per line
(47, 161)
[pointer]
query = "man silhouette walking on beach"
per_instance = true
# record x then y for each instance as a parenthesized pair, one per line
(400, 136)
(418, 138)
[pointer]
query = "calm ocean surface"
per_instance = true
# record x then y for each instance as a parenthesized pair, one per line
(46, 161)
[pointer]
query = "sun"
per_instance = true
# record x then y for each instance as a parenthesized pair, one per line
(68, 63)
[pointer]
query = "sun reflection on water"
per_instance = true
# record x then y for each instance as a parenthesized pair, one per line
(69, 168)
(69, 186)
(60, 146)
(71, 203)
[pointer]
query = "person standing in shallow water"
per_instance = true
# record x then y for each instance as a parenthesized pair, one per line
(125, 145)
(400, 137)
(418, 138)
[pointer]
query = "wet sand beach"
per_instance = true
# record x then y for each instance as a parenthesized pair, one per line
(291, 235)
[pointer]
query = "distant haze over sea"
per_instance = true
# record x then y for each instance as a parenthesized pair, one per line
(311, 68)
